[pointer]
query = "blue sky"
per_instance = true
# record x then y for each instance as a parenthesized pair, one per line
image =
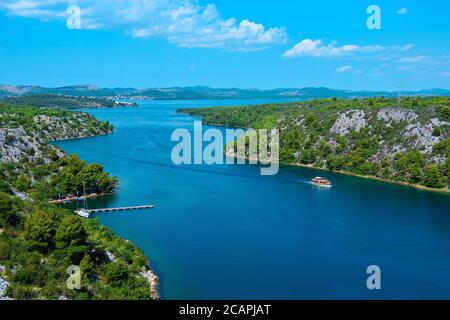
(226, 43)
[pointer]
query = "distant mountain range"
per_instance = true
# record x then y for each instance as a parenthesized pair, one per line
(203, 93)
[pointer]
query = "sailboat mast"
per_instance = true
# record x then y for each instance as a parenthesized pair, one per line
(85, 198)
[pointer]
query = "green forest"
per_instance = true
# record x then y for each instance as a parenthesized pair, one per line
(400, 139)
(39, 241)
(61, 177)
(51, 123)
(42, 170)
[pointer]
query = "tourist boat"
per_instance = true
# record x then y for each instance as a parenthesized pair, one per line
(321, 182)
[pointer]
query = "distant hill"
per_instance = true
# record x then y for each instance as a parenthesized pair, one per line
(64, 102)
(207, 93)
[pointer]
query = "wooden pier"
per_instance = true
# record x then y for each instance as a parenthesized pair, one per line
(110, 210)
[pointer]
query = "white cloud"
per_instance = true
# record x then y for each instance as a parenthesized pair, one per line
(193, 32)
(406, 47)
(316, 48)
(412, 59)
(402, 11)
(182, 22)
(344, 69)
(43, 10)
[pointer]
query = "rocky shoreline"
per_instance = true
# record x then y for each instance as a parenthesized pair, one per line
(153, 282)
(3, 284)
(148, 273)
(405, 184)
(17, 144)
(230, 153)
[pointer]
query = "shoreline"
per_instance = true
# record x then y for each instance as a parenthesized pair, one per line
(80, 137)
(405, 184)
(445, 190)
(66, 200)
(347, 173)
(153, 281)
(148, 273)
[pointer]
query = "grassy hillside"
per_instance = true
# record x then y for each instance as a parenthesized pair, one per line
(403, 140)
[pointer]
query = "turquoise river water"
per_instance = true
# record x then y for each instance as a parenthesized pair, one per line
(225, 232)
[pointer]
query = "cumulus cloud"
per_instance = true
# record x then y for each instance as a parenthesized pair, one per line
(202, 27)
(402, 11)
(317, 49)
(344, 69)
(185, 23)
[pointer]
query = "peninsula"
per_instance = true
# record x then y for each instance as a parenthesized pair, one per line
(403, 140)
(39, 241)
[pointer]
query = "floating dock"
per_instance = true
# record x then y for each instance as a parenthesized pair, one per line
(110, 210)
